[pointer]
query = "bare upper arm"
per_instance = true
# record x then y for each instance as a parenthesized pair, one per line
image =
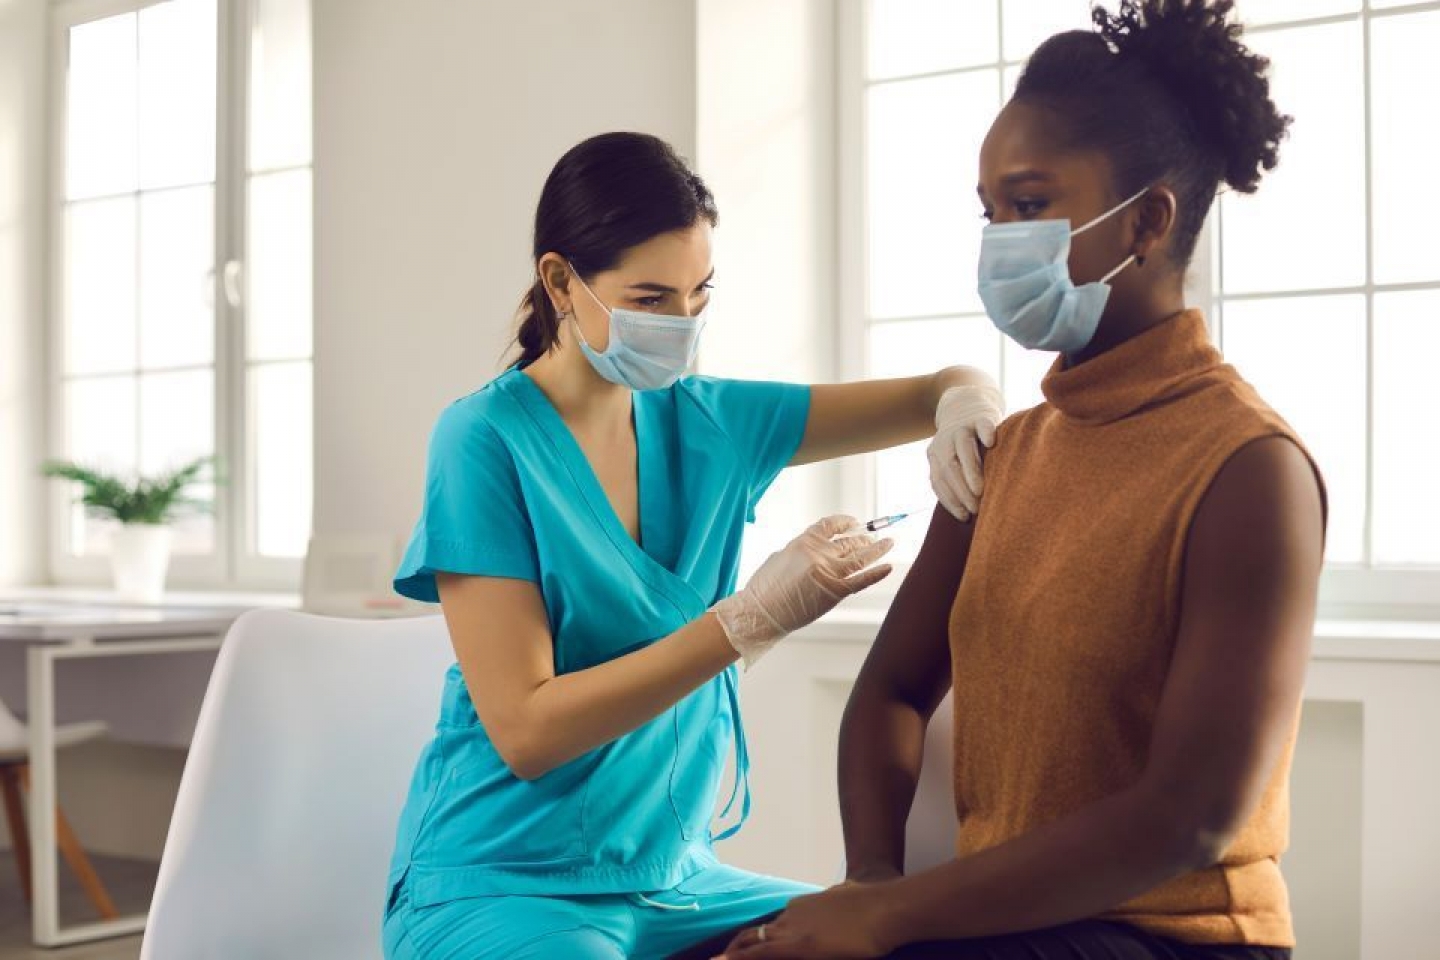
(911, 655)
(503, 644)
(1252, 565)
(850, 418)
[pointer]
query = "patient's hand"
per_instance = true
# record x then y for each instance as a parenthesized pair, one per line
(848, 922)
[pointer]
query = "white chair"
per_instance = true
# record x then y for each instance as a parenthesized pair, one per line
(930, 831)
(931, 827)
(15, 780)
(286, 815)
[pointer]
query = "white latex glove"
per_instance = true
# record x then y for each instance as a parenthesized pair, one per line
(965, 418)
(800, 583)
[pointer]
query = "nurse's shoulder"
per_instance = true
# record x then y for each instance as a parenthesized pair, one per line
(480, 419)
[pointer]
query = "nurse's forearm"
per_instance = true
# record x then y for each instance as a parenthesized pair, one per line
(572, 714)
(869, 415)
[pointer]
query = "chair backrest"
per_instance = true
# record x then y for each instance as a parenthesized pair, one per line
(13, 735)
(930, 832)
(286, 815)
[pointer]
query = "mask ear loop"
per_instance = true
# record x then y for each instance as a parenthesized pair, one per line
(1105, 216)
(575, 320)
(1123, 264)
(1110, 213)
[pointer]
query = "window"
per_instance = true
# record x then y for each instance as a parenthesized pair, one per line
(1329, 258)
(182, 271)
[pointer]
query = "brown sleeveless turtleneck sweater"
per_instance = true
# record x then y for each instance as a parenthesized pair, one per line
(1067, 616)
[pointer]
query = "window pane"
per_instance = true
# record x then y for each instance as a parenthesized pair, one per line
(902, 484)
(1024, 369)
(177, 93)
(924, 143)
(177, 425)
(922, 36)
(100, 286)
(281, 458)
(1407, 459)
(1029, 23)
(100, 422)
(1405, 137)
(279, 266)
(1269, 239)
(100, 108)
(280, 84)
(99, 432)
(923, 346)
(902, 475)
(1277, 11)
(1322, 395)
(177, 244)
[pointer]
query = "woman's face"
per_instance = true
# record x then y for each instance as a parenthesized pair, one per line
(669, 274)
(1024, 175)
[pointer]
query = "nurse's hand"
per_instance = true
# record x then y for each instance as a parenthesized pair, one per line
(965, 419)
(801, 583)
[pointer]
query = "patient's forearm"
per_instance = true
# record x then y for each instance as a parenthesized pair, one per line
(1072, 868)
(881, 744)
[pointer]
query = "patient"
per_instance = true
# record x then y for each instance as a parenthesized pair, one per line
(1126, 626)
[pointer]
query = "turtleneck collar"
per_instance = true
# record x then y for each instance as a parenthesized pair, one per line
(1136, 374)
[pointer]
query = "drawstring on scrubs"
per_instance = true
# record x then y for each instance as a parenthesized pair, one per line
(742, 764)
(645, 901)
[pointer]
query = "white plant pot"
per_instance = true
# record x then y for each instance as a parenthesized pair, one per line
(139, 558)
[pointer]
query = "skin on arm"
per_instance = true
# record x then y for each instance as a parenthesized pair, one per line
(905, 676)
(539, 721)
(862, 417)
(1252, 566)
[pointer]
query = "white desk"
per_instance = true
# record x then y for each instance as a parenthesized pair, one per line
(56, 630)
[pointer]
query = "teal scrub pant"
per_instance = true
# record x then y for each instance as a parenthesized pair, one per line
(600, 927)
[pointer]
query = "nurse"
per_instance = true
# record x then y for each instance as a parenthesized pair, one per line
(581, 530)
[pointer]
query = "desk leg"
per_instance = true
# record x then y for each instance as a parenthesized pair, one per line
(44, 797)
(44, 864)
(45, 879)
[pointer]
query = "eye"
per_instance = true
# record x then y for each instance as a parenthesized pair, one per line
(1030, 207)
(987, 215)
(650, 303)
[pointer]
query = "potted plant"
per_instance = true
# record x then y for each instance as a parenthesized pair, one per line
(144, 506)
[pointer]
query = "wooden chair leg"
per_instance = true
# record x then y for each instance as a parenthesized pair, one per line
(79, 863)
(15, 818)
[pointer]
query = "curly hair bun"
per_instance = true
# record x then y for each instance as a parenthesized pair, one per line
(1193, 48)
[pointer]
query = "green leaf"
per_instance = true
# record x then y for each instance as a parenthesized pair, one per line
(153, 500)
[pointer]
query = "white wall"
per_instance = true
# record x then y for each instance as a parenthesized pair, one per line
(22, 282)
(436, 123)
(766, 112)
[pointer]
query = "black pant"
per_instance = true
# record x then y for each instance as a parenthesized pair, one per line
(1090, 940)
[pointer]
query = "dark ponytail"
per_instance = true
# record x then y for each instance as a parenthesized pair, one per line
(605, 196)
(1168, 92)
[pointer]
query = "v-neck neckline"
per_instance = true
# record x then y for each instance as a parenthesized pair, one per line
(583, 471)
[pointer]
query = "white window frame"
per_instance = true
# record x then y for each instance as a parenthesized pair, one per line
(232, 564)
(1348, 591)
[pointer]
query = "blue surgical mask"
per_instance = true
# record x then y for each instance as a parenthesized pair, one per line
(647, 351)
(1026, 287)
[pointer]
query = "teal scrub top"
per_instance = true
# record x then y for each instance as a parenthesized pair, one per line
(509, 493)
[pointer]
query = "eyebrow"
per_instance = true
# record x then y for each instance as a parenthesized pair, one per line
(1019, 176)
(661, 288)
